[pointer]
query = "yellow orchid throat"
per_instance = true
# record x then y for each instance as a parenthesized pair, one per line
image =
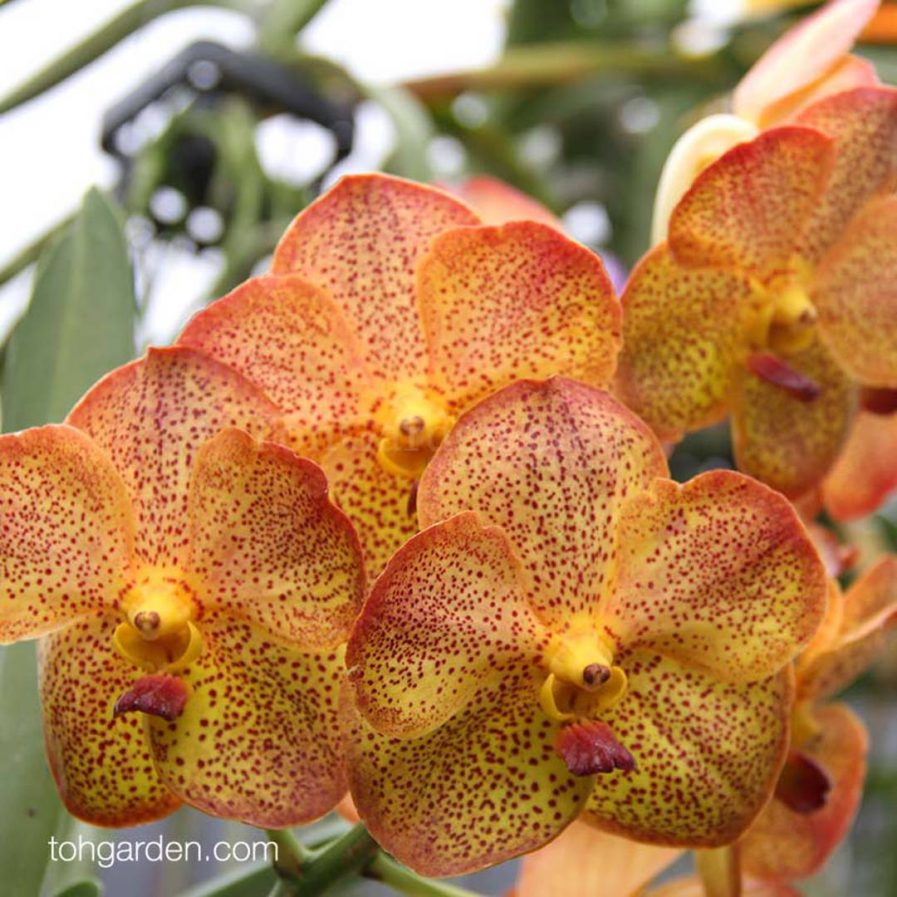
(783, 316)
(582, 680)
(158, 633)
(412, 421)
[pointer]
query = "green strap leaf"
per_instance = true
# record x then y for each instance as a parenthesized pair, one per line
(79, 324)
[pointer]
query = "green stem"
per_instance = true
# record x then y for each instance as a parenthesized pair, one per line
(292, 856)
(399, 878)
(94, 45)
(562, 63)
(282, 888)
(346, 857)
(283, 20)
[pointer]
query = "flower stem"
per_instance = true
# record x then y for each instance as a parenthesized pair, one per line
(384, 868)
(292, 856)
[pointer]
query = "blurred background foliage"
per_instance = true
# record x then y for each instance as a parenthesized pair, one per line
(580, 111)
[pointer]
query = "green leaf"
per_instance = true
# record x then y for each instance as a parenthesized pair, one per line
(79, 324)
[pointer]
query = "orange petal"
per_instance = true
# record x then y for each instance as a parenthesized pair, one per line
(447, 617)
(749, 209)
(291, 339)
(66, 531)
(502, 303)
(849, 73)
(869, 608)
(719, 573)
(267, 544)
(584, 860)
(883, 27)
(865, 473)
(361, 241)
(258, 739)
(786, 442)
(855, 294)
(380, 504)
(803, 55)
(551, 463)
(151, 416)
(708, 753)
(693, 887)
(103, 765)
(496, 202)
(681, 329)
(783, 844)
(863, 124)
(483, 788)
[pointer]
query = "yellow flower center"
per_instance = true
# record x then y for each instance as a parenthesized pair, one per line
(158, 633)
(582, 680)
(413, 422)
(783, 316)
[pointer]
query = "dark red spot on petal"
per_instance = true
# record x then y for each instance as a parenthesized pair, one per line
(803, 784)
(161, 695)
(777, 372)
(412, 498)
(591, 747)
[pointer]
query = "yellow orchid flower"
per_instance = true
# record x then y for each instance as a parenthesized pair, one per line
(809, 62)
(193, 588)
(773, 298)
(390, 310)
(574, 635)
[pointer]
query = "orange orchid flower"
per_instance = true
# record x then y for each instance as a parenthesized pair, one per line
(192, 587)
(584, 860)
(865, 472)
(692, 886)
(808, 63)
(496, 202)
(390, 310)
(821, 784)
(773, 298)
(578, 636)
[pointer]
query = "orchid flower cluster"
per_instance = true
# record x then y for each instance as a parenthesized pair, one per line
(396, 520)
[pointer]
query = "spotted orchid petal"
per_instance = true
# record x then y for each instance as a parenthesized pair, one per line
(782, 844)
(682, 337)
(380, 504)
(496, 202)
(268, 546)
(551, 462)
(865, 472)
(806, 54)
(700, 564)
(448, 617)
(288, 337)
(708, 753)
(502, 303)
(416, 796)
(788, 443)
(584, 860)
(150, 417)
(856, 295)
(361, 242)
(863, 125)
(102, 765)
(750, 208)
(258, 739)
(868, 609)
(66, 531)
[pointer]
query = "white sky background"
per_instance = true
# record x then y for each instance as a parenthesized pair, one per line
(49, 148)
